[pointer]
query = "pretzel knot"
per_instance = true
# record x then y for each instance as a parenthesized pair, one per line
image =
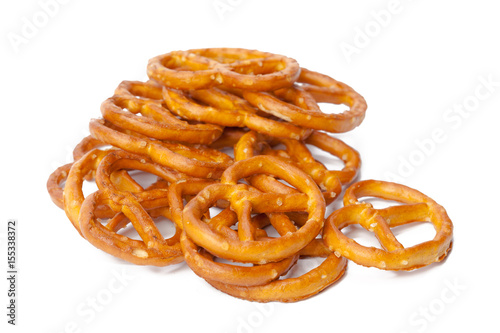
(416, 207)
(244, 201)
(227, 67)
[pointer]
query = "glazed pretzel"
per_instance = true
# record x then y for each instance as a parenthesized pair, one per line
(245, 201)
(229, 67)
(156, 122)
(196, 162)
(226, 109)
(153, 249)
(324, 89)
(416, 207)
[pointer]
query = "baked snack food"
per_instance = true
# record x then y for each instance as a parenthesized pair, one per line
(230, 133)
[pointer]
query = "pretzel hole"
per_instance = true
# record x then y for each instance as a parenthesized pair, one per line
(164, 225)
(362, 236)
(378, 203)
(303, 266)
(145, 179)
(229, 151)
(331, 108)
(414, 233)
(331, 162)
(89, 187)
(234, 263)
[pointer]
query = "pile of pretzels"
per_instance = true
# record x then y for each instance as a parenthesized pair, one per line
(228, 133)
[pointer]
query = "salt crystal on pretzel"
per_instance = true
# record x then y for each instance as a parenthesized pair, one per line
(416, 207)
(230, 67)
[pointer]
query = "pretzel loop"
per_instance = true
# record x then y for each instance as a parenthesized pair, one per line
(416, 207)
(228, 67)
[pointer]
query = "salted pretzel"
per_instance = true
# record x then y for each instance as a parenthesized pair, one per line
(244, 201)
(226, 109)
(229, 138)
(86, 171)
(200, 108)
(323, 89)
(196, 162)
(228, 67)
(416, 207)
(153, 249)
(290, 289)
(329, 181)
(156, 121)
(73, 196)
(201, 262)
(139, 93)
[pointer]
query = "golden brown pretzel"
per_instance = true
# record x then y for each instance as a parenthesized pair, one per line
(297, 152)
(201, 262)
(324, 89)
(416, 207)
(196, 162)
(139, 93)
(225, 109)
(291, 289)
(153, 249)
(230, 67)
(245, 201)
(60, 175)
(87, 144)
(73, 196)
(54, 182)
(156, 121)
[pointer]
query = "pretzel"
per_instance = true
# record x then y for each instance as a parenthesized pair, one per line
(153, 249)
(196, 162)
(156, 121)
(199, 108)
(229, 138)
(245, 201)
(54, 182)
(73, 196)
(324, 89)
(416, 207)
(201, 262)
(87, 144)
(139, 93)
(291, 289)
(297, 152)
(60, 175)
(228, 67)
(226, 109)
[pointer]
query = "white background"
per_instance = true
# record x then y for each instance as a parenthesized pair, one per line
(425, 59)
